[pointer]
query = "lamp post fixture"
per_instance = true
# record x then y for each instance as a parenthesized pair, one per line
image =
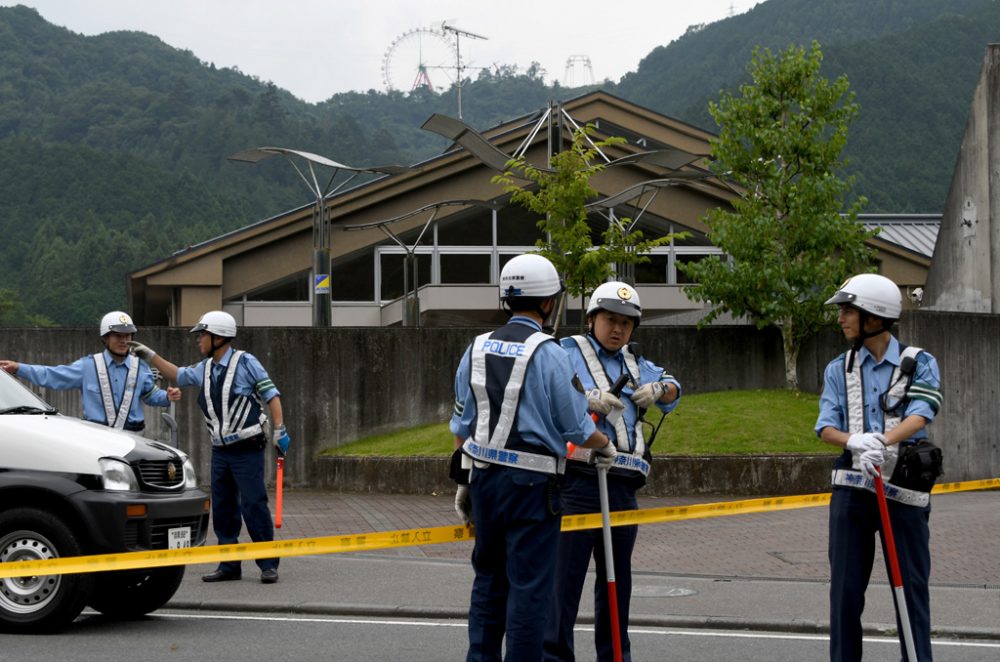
(552, 118)
(322, 310)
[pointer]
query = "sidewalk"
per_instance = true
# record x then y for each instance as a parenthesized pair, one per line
(763, 571)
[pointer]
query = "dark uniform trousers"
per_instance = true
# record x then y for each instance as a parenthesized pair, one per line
(238, 491)
(581, 495)
(517, 518)
(854, 521)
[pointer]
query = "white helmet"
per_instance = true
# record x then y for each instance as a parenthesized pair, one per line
(218, 323)
(871, 293)
(529, 275)
(616, 297)
(118, 322)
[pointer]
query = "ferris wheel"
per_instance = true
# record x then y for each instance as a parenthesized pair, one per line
(421, 57)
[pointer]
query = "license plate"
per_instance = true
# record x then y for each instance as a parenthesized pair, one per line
(179, 537)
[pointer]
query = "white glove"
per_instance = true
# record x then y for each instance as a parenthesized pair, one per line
(869, 441)
(870, 461)
(463, 504)
(140, 350)
(603, 402)
(605, 455)
(647, 394)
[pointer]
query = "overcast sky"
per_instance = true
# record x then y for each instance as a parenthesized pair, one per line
(316, 48)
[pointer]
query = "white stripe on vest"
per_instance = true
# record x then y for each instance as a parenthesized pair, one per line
(494, 449)
(627, 458)
(228, 429)
(855, 390)
(117, 420)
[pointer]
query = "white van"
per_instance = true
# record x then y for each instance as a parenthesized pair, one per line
(68, 488)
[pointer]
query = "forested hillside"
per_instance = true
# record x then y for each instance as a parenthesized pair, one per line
(913, 65)
(113, 148)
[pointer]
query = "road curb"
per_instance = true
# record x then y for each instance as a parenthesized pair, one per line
(587, 618)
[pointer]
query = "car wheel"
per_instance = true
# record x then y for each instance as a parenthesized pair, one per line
(39, 603)
(135, 593)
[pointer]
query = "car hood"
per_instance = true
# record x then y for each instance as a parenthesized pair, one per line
(59, 443)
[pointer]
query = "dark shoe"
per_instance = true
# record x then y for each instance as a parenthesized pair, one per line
(221, 576)
(269, 576)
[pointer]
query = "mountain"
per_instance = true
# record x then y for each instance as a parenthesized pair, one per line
(913, 65)
(113, 147)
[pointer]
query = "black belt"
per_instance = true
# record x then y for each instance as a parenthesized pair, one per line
(247, 445)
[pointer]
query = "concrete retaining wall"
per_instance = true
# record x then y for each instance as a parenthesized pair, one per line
(757, 475)
(341, 384)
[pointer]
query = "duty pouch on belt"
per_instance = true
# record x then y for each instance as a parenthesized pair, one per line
(918, 467)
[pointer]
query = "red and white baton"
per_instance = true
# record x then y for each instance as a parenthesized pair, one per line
(897, 578)
(279, 480)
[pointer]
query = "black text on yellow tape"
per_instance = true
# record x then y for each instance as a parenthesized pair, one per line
(410, 537)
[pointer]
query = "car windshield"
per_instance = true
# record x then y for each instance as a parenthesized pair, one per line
(16, 398)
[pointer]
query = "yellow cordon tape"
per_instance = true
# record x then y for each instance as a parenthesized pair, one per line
(410, 537)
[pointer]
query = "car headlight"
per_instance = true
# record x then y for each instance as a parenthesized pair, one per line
(190, 479)
(117, 475)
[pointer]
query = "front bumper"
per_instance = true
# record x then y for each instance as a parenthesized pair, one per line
(110, 528)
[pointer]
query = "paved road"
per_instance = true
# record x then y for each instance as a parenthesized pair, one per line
(239, 637)
(763, 571)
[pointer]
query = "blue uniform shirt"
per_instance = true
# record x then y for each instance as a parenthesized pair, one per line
(82, 374)
(250, 377)
(875, 377)
(614, 365)
(550, 411)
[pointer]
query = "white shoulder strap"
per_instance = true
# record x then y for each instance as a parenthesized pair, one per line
(512, 391)
(116, 419)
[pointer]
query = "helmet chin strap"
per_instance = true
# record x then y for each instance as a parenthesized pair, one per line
(863, 317)
(590, 332)
(112, 352)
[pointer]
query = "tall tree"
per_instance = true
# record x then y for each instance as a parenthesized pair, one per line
(787, 242)
(560, 195)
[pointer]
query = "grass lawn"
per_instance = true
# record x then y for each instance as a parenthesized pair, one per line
(722, 422)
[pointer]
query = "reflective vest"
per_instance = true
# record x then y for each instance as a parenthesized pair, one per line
(855, 409)
(113, 418)
(498, 364)
(628, 458)
(229, 417)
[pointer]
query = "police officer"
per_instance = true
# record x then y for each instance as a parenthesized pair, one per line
(878, 398)
(515, 409)
(232, 387)
(600, 358)
(113, 385)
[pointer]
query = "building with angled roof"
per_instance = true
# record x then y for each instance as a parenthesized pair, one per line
(384, 230)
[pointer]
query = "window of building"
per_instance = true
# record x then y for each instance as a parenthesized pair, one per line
(473, 227)
(292, 288)
(686, 258)
(654, 271)
(465, 268)
(353, 278)
(392, 277)
(517, 226)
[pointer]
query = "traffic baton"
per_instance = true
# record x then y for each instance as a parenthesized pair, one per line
(897, 579)
(279, 480)
(609, 562)
(602, 488)
(609, 557)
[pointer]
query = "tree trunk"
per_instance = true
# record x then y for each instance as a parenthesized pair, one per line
(557, 314)
(791, 349)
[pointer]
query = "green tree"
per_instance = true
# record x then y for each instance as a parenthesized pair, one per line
(13, 314)
(787, 243)
(560, 195)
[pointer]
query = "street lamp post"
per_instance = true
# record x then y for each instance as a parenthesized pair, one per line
(322, 298)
